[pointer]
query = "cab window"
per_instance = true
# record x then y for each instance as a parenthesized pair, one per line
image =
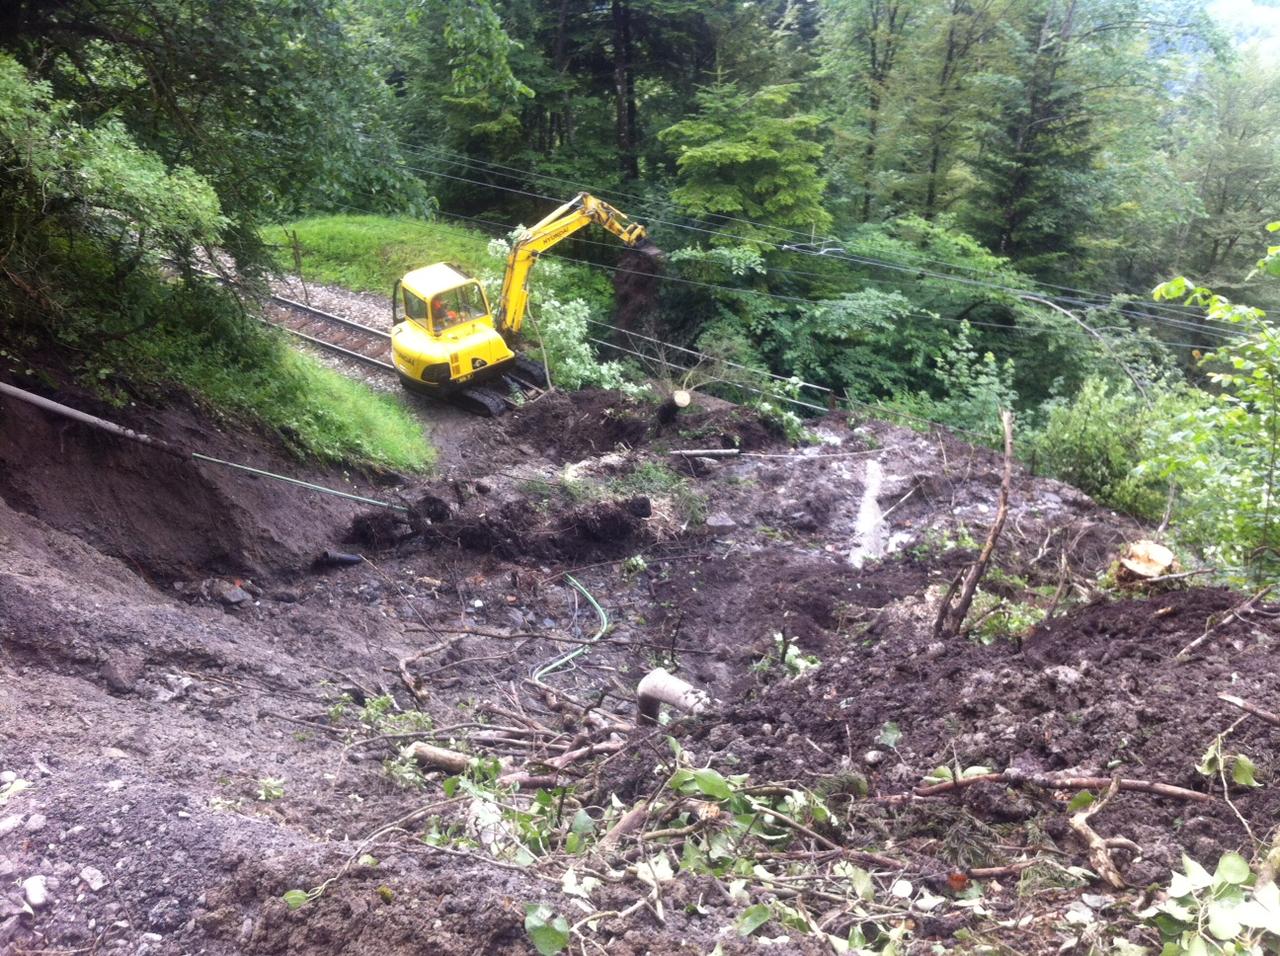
(414, 307)
(457, 305)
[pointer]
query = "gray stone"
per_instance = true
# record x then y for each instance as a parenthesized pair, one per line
(10, 823)
(165, 915)
(121, 674)
(231, 594)
(36, 822)
(36, 891)
(873, 758)
(719, 521)
(1063, 676)
(93, 878)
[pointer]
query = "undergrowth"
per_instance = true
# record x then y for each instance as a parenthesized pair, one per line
(247, 370)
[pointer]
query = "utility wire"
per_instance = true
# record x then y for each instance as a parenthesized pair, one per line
(1096, 299)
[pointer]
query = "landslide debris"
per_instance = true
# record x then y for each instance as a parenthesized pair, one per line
(189, 756)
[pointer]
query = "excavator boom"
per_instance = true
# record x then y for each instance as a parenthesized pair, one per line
(579, 212)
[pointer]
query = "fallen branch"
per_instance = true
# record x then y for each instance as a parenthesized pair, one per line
(950, 620)
(1254, 709)
(1053, 782)
(1235, 612)
(705, 452)
(1099, 849)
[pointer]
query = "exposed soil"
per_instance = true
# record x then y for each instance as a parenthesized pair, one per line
(171, 649)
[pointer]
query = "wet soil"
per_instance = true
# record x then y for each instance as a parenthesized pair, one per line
(171, 653)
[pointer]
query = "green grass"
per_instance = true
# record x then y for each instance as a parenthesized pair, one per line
(248, 370)
(369, 253)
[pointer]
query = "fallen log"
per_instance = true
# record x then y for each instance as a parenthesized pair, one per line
(660, 687)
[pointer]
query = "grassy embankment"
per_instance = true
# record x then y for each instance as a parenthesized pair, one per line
(246, 371)
(369, 253)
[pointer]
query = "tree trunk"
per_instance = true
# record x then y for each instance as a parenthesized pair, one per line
(624, 89)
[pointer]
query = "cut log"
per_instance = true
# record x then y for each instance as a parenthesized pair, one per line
(1143, 561)
(660, 687)
(676, 401)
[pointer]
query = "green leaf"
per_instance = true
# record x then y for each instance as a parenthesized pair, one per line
(548, 931)
(296, 898)
(889, 734)
(367, 860)
(712, 784)
(1081, 800)
(752, 918)
(1273, 226)
(1223, 922)
(1233, 869)
(1242, 772)
(1197, 875)
(582, 823)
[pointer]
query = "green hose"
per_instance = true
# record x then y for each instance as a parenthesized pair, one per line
(563, 659)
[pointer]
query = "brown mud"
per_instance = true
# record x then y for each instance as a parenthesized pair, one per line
(171, 654)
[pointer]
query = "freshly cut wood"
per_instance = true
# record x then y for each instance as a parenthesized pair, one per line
(660, 687)
(439, 757)
(1144, 560)
(676, 401)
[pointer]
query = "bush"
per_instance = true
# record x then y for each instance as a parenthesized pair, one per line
(1097, 440)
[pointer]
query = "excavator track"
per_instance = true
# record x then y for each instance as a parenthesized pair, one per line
(480, 401)
(529, 372)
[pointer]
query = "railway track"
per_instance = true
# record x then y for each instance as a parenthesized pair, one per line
(370, 346)
(363, 343)
(333, 333)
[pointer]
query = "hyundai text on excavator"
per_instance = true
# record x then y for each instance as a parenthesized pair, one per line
(450, 342)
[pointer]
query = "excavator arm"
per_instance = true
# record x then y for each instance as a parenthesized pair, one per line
(576, 214)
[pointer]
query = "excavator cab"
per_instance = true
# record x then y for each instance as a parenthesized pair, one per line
(446, 339)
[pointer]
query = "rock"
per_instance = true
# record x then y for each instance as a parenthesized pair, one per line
(8, 776)
(36, 822)
(121, 674)
(719, 521)
(114, 753)
(1062, 675)
(10, 823)
(35, 889)
(9, 928)
(873, 758)
(93, 878)
(230, 594)
(165, 915)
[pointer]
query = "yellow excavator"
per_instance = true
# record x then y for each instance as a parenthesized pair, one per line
(450, 343)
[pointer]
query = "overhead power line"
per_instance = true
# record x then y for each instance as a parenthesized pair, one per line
(1094, 299)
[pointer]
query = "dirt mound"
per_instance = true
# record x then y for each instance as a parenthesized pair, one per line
(169, 517)
(571, 426)
(1095, 692)
(635, 286)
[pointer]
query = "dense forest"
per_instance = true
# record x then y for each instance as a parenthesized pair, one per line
(933, 208)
